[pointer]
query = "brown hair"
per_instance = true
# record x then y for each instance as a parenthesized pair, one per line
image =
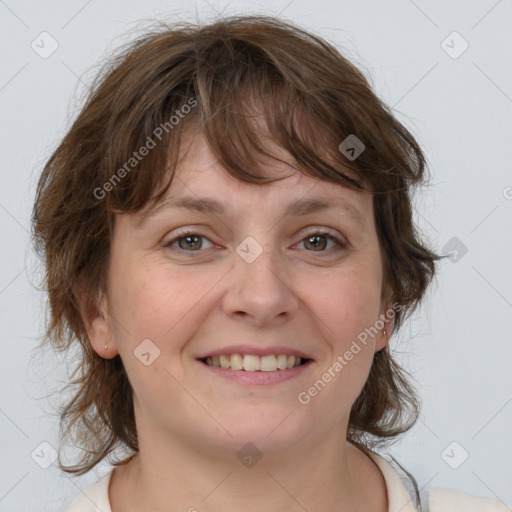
(228, 72)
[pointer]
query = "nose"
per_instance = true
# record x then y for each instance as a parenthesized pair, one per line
(261, 289)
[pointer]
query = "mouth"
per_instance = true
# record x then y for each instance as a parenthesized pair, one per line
(255, 363)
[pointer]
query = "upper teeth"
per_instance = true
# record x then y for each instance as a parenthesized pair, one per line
(253, 363)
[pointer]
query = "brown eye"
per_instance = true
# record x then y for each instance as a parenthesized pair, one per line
(318, 241)
(188, 241)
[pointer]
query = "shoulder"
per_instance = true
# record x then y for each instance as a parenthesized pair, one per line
(93, 498)
(451, 500)
(403, 493)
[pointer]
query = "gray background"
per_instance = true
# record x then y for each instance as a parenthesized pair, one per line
(459, 348)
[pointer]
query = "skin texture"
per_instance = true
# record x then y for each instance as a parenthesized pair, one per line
(191, 423)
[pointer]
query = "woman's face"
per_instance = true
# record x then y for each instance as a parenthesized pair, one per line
(251, 280)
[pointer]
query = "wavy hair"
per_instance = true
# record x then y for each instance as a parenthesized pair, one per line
(228, 72)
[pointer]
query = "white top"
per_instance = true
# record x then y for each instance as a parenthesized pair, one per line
(94, 498)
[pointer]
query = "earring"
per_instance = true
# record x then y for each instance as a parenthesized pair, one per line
(383, 332)
(107, 343)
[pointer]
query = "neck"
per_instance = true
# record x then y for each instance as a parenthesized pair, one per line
(332, 476)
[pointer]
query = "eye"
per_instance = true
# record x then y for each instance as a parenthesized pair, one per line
(190, 241)
(314, 240)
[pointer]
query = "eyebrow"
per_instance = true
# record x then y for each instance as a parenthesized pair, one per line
(298, 208)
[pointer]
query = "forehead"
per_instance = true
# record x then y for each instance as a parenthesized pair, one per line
(201, 183)
(199, 168)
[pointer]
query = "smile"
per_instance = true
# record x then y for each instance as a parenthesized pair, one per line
(254, 370)
(255, 363)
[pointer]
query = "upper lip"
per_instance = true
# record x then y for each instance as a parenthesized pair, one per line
(257, 351)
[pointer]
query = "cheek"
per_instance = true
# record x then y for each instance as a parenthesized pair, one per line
(137, 315)
(347, 307)
(348, 302)
(151, 322)
(152, 302)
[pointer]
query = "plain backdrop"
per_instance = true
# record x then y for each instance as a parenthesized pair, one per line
(453, 91)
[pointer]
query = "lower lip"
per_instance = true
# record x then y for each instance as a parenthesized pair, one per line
(258, 377)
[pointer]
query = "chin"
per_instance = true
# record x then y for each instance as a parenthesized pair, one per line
(269, 429)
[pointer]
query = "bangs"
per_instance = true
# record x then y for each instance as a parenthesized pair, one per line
(246, 108)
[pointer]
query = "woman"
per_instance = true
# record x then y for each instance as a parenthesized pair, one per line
(227, 233)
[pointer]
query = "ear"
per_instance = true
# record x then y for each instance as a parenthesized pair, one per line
(381, 340)
(94, 311)
(386, 316)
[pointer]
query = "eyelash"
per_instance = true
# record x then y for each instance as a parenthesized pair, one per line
(326, 234)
